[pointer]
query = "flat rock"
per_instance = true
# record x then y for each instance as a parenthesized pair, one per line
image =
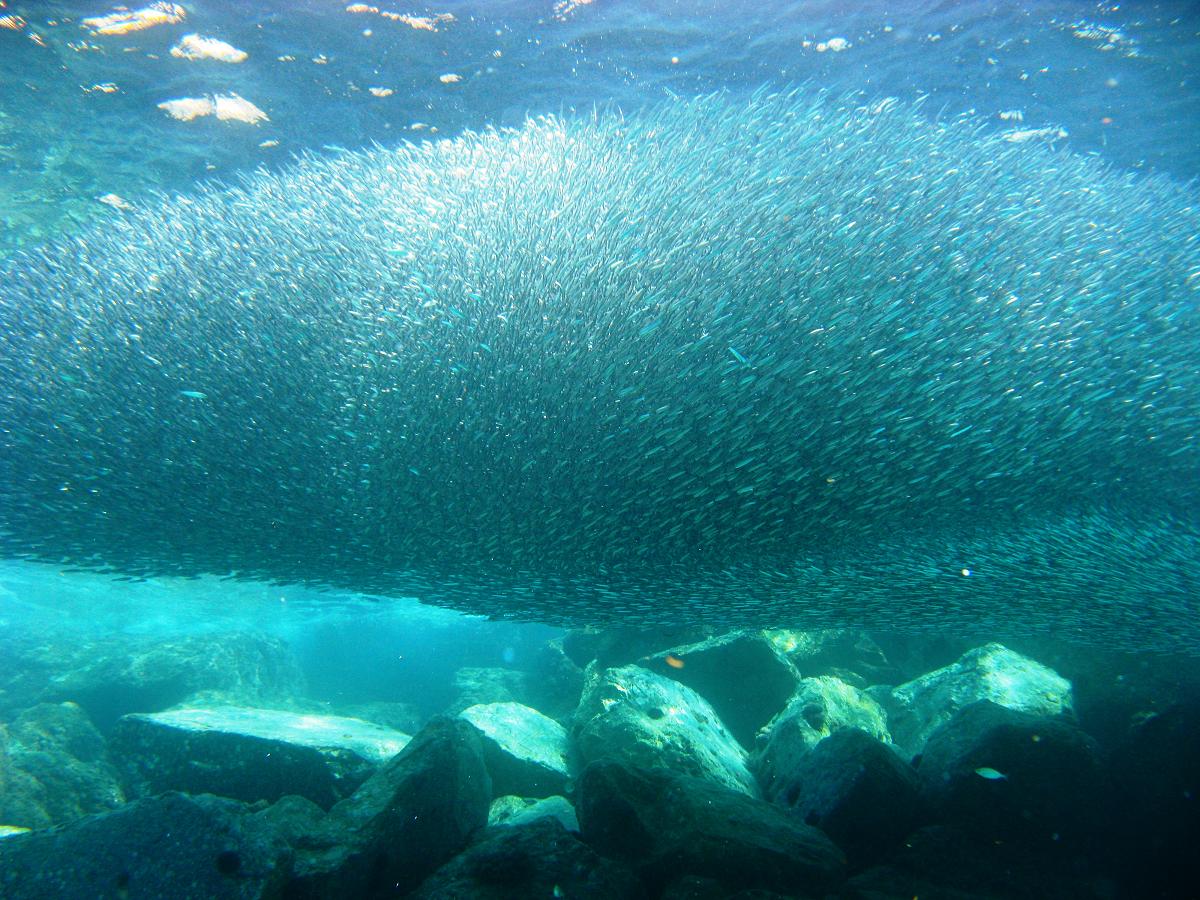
(251, 754)
(536, 859)
(403, 823)
(526, 752)
(646, 720)
(670, 826)
(167, 846)
(991, 672)
(744, 676)
(820, 707)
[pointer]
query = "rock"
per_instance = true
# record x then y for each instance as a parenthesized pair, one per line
(1158, 773)
(488, 684)
(397, 716)
(942, 863)
(537, 859)
(112, 676)
(510, 810)
(167, 846)
(820, 707)
(991, 672)
(294, 819)
(742, 675)
(1012, 776)
(845, 653)
(691, 887)
(859, 791)
(526, 752)
(670, 825)
(556, 682)
(619, 646)
(251, 754)
(634, 716)
(54, 768)
(403, 823)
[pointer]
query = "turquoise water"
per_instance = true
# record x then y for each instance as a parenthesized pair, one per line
(296, 416)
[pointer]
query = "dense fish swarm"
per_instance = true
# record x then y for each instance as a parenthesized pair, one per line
(780, 360)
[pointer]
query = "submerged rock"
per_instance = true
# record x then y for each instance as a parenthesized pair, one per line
(510, 810)
(991, 672)
(1158, 772)
(404, 822)
(54, 768)
(670, 825)
(819, 708)
(537, 859)
(526, 752)
(859, 791)
(112, 676)
(634, 716)
(167, 846)
(846, 653)
(251, 754)
(1013, 776)
(743, 675)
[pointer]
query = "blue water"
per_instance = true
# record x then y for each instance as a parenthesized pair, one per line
(1120, 79)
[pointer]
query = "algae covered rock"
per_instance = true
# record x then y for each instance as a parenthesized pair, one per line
(743, 675)
(1017, 777)
(511, 810)
(251, 754)
(820, 707)
(646, 720)
(859, 791)
(405, 821)
(526, 752)
(535, 859)
(991, 672)
(54, 768)
(112, 676)
(167, 846)
(669, 825)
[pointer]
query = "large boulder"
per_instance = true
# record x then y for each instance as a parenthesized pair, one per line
(526, 752)
(1016, 777)
(1157, 769)
(943, 863)
(167, 846)
(54, 768)
(860, 792)
(670, 825)
(536, 859)
(991, 672)
(820, 707)
(743, 675)
(251, 754)
(403, 823)
(646, 720)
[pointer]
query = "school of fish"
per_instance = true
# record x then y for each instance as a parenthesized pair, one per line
(790, 359)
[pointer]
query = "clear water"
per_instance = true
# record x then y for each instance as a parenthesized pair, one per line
(82, 132)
